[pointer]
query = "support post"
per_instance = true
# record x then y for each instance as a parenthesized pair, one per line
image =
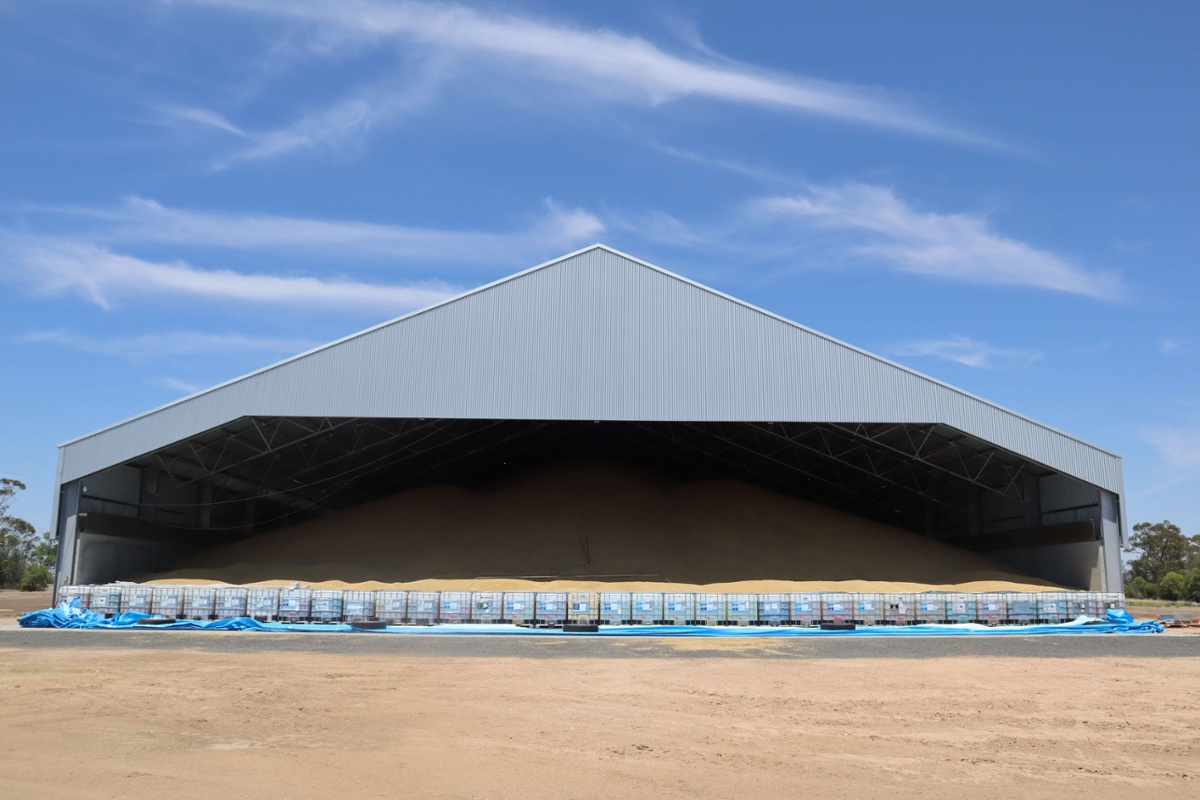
(1110, 534)
(66, 528)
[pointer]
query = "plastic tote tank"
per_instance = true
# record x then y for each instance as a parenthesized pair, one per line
(741, 609)
(992, 608)
(1022, 608)
(262, 603)
(327, 605)
(391, 606)
(930, 608)
(295, 605)
(647, 608)
(806, 608)
(711, 609)
(1077, 604)
(774, 609)
(837, 607)
(424, 607)
(1052, 607)
(199, 602)
(231, 603)
(106, 600)
(1114, 600)
(615, 608)
(900, 609)
(868, 608)
(358, 606)
(551, 607)
(167, 601)
(487, 606)
(679, 608)
(519, 607)
(137, 598)
(960, 607)
(81, 593)
(583, 607)
(455, 607)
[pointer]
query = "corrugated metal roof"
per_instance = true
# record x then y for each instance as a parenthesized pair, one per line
(594, 335)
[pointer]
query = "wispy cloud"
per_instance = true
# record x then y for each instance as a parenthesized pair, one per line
(1177, 346)
(138, 220)
(200, 116)
(600, 63)
(731, 165)
(166, 344)
(1176, 446)
(961, 247)
(101, 276)
(967, 351)
(183, 387)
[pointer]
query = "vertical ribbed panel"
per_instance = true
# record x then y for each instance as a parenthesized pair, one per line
(600, 336)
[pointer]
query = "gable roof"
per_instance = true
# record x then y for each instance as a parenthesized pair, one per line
(593, 335)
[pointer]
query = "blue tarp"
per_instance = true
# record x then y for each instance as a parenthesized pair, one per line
(70, 615)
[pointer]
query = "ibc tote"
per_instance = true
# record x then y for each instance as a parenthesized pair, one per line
(199, 602)
(167, 601)
(868, 608)
(391, 606)
(487, 606)
(519, 607)
(456, 607)
(679, 608)
(424, 607)
(806, 608)
(711, 609)
(742, 609)
(551, 607)
(106, 600)
(900, 609)
(230, 603)
(774, 609)
(81, 593)
(615, 608)
(583, 608)
(358, 605)
(327, 605)
(262, 603)
(137, 599)
(647, 608)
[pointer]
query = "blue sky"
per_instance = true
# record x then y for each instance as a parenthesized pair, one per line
(1005, 196)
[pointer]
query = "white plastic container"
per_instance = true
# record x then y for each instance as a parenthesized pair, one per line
(106, 600)
(81, 593)
(327, 605)
(992, 608)
(837, 607)
(295, 605)
(679, 608)
(583, 608)
(900, 609)
(960, 607)
(1113, 600)
(391, 606)
(519, 607)
(774, 609)
(931, 608)
(1077, 604)
(424, 607)
(167, 601)
(138, 599)
(551, 607)
(742, 609)
(646, 608)
(231, 602)
(455, 607)
(806, 608)
(1022, 608)
(487, 607)
(868, 609)
(1052, 607)
(615, 608)
(262, 603)
(199, 602)
(358, 605)
(711, 609)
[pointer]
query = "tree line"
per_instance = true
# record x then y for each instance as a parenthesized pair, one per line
(1167, 566)
(27, 558)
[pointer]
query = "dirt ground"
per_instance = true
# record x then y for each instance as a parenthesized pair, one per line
(112, 722)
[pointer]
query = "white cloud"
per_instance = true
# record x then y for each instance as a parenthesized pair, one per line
(202, 117)
(953, 246)
(967, 351)
(1176, 347)
(101, 276)
(1177, 447)
(602, 63)
(139, 220)
(166, 344)
(182, 387)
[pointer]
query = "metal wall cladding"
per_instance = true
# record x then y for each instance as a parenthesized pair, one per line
(167, 601)
(262, 603)
(327, 605)
(900, 609)
(583, 607)
(295, 605)
(138, 599)
(615, 607)
(741, 609)
(774, 609)
(519, 607)
(358, 606)
(455, 607)
(199, 602)
(647, 607)
(551, 607)
(424, 606)
(593, 336)
(679, 608)
(487, 606)
(806, 608)
(391, 606)
(231, 602)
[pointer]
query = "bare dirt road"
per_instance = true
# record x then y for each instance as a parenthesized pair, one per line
(104, 722)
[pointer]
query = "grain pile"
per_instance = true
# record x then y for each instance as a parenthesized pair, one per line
(599, 525)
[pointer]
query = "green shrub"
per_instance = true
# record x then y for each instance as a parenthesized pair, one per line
(1191, 587)
(35, 578)
(1171, 587)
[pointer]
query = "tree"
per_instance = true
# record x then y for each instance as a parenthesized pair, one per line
(21, 548)
(1191, 589)
(1162, 548)
(1172, 586)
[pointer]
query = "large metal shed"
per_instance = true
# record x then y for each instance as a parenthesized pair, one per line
(594, 353)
